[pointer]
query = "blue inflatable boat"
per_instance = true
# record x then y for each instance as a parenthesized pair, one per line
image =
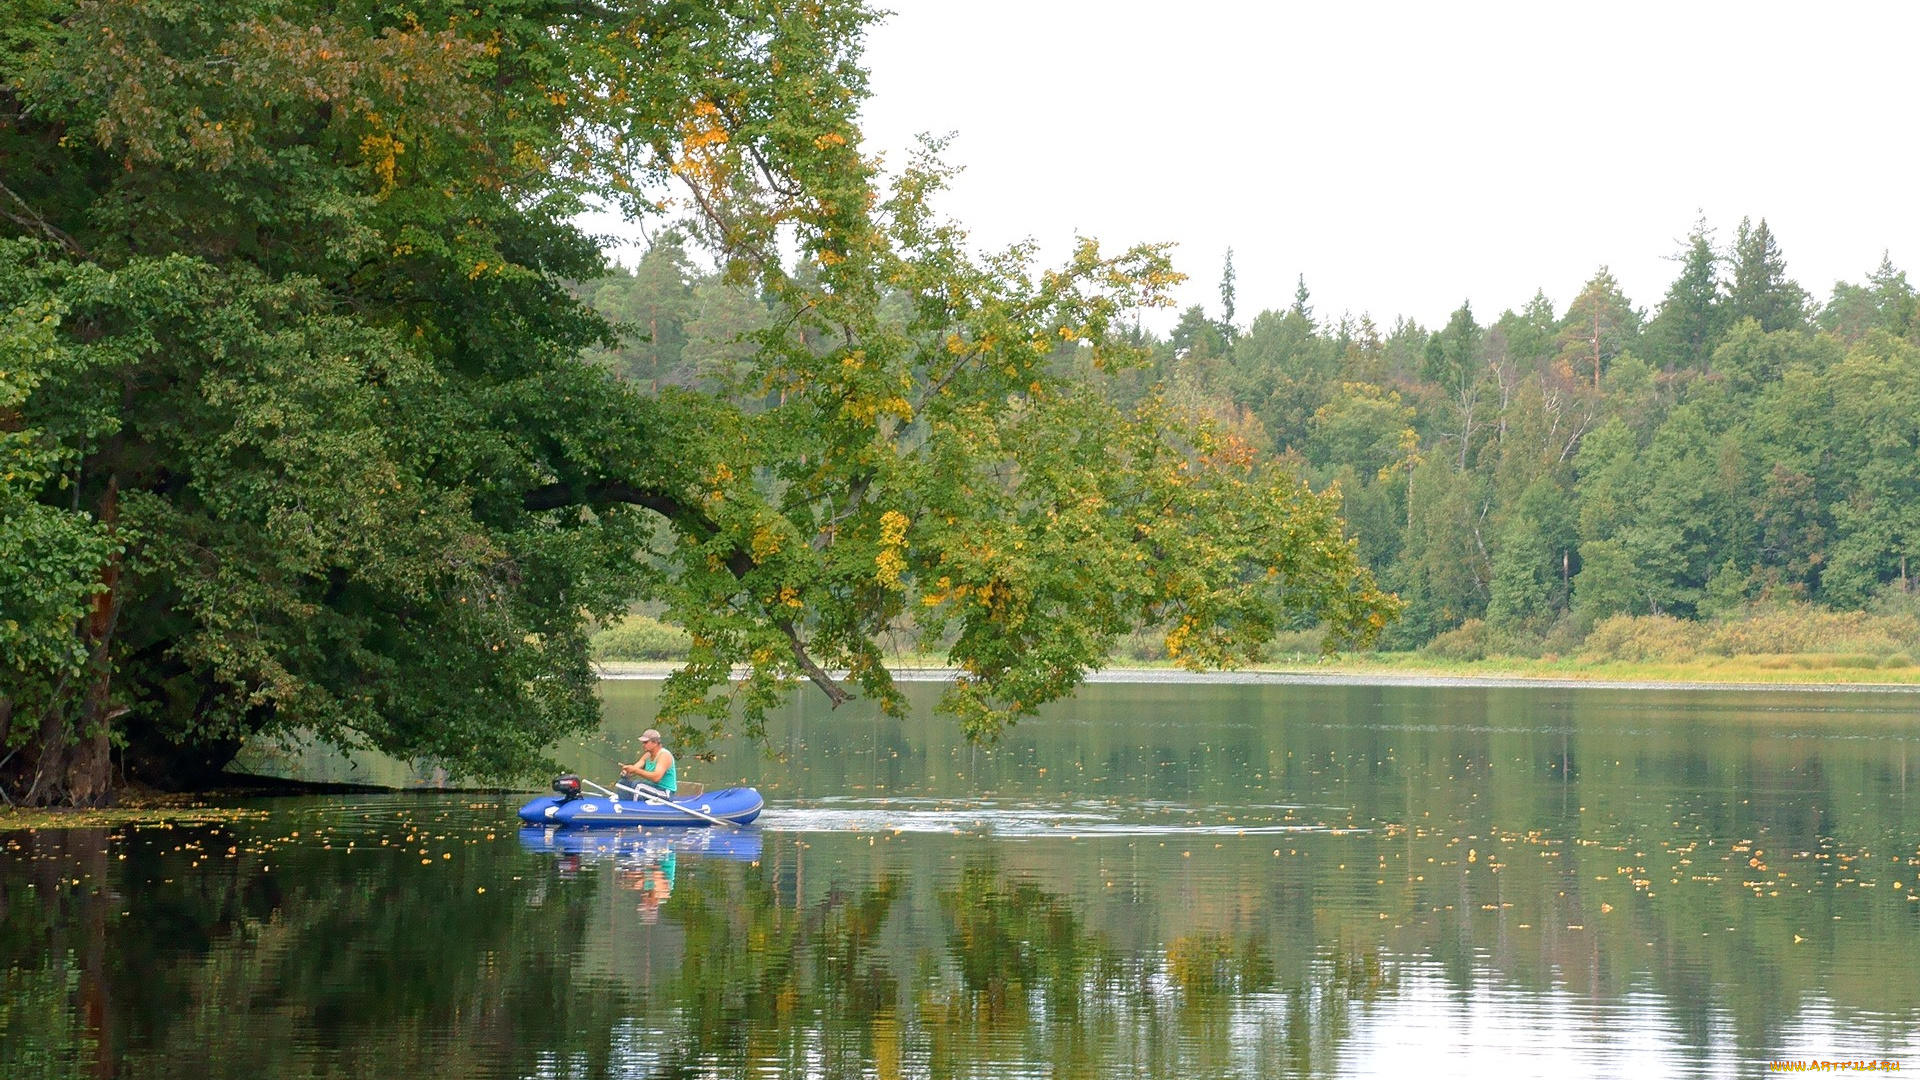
(600, 808)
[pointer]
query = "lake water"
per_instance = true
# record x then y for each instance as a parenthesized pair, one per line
(1162, 880)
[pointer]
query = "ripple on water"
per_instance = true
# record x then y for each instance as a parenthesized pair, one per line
(381, 814)
(1036, 819)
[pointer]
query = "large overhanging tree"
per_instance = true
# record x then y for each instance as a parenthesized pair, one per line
(296, 435)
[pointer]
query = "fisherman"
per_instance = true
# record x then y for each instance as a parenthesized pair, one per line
(655, 766)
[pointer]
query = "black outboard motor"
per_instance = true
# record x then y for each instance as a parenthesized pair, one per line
(567, 787)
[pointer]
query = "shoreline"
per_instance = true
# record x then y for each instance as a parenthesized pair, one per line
(644, 671)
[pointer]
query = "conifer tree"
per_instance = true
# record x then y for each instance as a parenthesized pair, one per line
(1760, 289)
(1691, 318)
(1600, 324)
(1452, 356)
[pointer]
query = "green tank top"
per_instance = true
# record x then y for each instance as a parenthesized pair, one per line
(671, 781)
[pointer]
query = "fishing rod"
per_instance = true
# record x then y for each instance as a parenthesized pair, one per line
(604, 757)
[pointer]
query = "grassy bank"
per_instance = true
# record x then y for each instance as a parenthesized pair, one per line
(1785, 644)
(1782, 669)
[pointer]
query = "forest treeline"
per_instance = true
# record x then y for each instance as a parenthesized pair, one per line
(1528, 474)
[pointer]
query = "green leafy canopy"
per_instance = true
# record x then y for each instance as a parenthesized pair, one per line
(293, 397)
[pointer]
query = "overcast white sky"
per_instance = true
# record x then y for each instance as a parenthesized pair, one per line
(1406, 156)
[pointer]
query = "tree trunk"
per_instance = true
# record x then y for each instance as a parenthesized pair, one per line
(90, 765)
(75, 762)
(49, 774)
(1596, 348)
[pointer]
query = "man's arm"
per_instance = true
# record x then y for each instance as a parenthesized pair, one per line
(662, 761)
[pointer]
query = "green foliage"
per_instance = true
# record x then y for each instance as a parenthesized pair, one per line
(1803, 628)
(1876, 443)
(1556, 468)
(641, 637)
(1474, 639)
(1692, 317)
(1794, 633)
(1452, 359)
(1760, 289)
(1282, 370)
(1751, 357)
(302, 319)
(1644, 639)
(1527, 336)
(1608, 583)
(1365, 427)
(1671, 540)
(50, 555)
(1599, 327)
(1519, 592)
(1887, 302)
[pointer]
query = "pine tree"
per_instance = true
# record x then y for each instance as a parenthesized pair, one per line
(1692, 317)
(1529, 332)
(1761, 289)
(1451, 358)
(1600, 325)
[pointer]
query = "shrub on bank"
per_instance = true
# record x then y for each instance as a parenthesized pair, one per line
(1792, 635)
(1640, 639)
(1803, 628)
(1789, 636)
(1471, 640)
(642, 637)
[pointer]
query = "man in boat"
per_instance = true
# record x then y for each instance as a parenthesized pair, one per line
(655, 766)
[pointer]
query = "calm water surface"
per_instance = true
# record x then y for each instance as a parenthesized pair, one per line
(1152, 881)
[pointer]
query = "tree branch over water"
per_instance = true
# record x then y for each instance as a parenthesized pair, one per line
(348, 375)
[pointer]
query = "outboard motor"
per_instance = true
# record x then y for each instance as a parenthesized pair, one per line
(567, 787)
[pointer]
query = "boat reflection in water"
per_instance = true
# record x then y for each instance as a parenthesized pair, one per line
(642, 844)
(644, 860)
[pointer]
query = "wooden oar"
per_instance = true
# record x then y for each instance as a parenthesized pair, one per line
(656, 797)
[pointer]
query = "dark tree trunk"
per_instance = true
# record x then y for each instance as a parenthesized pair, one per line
(75, 764)
(47, 784)
(74, 768)
(90, 765)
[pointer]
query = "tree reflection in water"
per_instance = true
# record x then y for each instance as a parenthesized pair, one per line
(1014, 980)
(323, 963)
